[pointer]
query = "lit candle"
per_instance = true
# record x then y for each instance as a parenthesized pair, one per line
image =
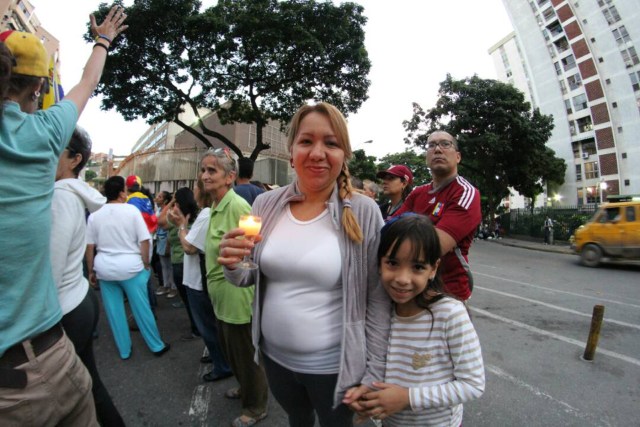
(250, 224)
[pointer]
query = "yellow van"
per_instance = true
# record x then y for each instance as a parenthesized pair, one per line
(613, 232)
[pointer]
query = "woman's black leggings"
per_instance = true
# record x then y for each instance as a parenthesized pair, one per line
(79, 325)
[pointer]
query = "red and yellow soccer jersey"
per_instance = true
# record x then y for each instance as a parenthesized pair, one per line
(454, 209)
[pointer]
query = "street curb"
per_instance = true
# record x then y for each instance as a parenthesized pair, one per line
(535, 247)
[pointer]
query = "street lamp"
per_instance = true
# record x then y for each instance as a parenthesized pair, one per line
(603, 189)
(355, 146)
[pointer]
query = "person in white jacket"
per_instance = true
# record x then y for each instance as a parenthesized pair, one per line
(72, 197)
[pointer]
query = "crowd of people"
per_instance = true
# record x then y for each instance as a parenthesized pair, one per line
(372, 296)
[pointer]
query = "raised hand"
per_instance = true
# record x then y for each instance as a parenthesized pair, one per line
(112, 24)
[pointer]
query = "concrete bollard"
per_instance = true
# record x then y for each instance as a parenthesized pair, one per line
(594, 332)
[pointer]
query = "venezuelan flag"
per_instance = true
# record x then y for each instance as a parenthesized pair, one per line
(143, 204)
(56, 93)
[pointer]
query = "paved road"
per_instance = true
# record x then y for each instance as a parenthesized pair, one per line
(532, 311)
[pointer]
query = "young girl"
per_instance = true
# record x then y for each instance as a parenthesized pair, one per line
(434, 363)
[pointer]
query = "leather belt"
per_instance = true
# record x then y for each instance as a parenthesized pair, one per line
(16, 356)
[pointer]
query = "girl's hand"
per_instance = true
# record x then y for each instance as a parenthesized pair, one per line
(233, 249)
(387, 400)
(112, 24)
(352, 400)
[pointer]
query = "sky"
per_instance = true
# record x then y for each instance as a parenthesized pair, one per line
(412, 45)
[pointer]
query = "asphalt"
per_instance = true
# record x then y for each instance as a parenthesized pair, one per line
(528, 243)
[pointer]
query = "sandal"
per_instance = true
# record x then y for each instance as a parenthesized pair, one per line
(247, 421)
(233, 393)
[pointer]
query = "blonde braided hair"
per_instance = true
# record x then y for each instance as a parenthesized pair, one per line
(349, 221)
(339, 126)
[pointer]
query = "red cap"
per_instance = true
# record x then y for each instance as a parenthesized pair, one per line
(399, 171)
(133, 180)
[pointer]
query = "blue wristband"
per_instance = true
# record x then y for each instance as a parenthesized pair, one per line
(102, 36)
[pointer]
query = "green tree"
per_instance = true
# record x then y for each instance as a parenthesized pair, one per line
(363, 166)
(502, 140)
(409, 158)
(89, 175)
(250, 60)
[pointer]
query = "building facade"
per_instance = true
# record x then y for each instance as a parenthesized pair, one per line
(166, 157)
(577, 60)
(19, 15)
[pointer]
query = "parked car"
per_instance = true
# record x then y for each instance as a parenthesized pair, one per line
(613, 232)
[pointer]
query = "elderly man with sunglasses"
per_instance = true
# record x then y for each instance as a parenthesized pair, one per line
(453, 204)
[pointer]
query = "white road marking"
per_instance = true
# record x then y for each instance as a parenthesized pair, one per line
(568, 340)
(531, 285)
(565, 406)
(556, 307)
(484, 265)
(199, 408)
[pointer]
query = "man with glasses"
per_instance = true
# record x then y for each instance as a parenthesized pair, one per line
(453, 204)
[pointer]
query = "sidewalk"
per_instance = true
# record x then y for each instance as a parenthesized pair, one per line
(559, 247)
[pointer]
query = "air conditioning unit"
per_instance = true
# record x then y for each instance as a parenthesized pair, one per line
(585, 155)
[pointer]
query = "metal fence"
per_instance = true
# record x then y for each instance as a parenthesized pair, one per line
(531, 223)
(163, 166)
(174, 168)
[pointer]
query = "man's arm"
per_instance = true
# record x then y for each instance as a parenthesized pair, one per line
(447, 242)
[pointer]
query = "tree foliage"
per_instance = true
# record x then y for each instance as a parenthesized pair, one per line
(501, 139)
(89, 175)
(363, 166)
(249, 60)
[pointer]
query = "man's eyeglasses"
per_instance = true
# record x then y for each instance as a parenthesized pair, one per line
(444, 144)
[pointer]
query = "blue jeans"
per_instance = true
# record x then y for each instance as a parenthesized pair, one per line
(302, 396)
(205, 320)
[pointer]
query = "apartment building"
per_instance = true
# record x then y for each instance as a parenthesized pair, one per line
(577, 60)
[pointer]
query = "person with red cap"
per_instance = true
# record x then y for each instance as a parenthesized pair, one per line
(137, 198)
(397, 184)
(453, 205)
(42, 380)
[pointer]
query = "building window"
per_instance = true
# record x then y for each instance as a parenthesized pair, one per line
(563, 87)
(621, 35)
(542, 2)
(588, 148)
(602, 2)
(567, 105)
(627, 183)
(568, 62)
(578, 172)
(611, 15)
(561, 44)
(574, 81)
(630, 57)
(619, 129)
(555, 29)
(549, 14)
(585, 125)
(591, 170)
(635, 80)
(558, 69)
(580, 102)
